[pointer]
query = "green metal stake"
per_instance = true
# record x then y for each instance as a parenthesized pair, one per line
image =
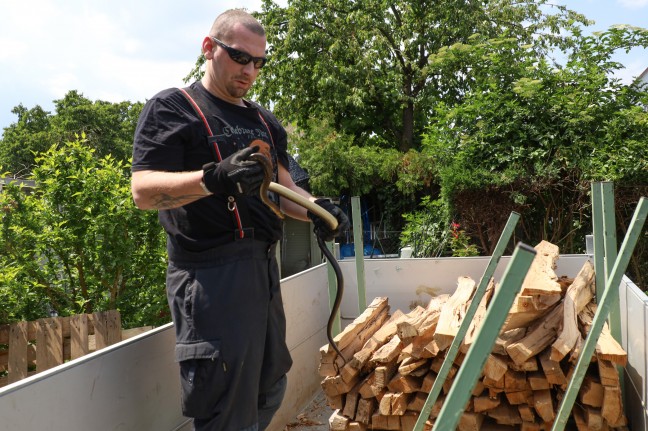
(605, 253)
(610, 241)
(609, 226)
(610, 246)
(465, 324)
(599, 235)
(358, 241)
(606, 302)
(475, 359)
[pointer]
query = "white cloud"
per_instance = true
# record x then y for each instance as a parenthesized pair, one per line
(118, 50)
(634, 4)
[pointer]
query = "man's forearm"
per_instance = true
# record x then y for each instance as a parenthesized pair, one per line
(166, 190)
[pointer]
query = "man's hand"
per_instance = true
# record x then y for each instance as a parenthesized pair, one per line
(235, 174)
(321, 228)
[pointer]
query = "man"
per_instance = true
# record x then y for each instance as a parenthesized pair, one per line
(191, 161)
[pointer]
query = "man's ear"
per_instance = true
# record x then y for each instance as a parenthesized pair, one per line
(208, 47)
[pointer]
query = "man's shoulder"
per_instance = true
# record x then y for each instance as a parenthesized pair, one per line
(170, 93)
(267, 114)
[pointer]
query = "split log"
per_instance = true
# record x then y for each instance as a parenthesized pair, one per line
(338, 422)
(453, 312)
(540, 289)
(541, 278)
(480, 314)
(354, 329)
(591, 392)
(578, 295)
(539, 336)
(606, 346)
(365, 411)
(612, 409)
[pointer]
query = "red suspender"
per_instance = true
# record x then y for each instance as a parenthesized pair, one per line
(232, 202)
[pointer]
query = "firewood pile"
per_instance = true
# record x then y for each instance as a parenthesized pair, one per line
(393, 359)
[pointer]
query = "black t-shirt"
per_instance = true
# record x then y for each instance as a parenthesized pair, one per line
(170, 136)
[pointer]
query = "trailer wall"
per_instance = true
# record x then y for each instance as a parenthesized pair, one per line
(408, 282)
(634, 328)
(134, 385)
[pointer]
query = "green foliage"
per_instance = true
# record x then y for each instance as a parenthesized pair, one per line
(76, 243)
(108, 127)
(367, 63)
(339, 168)
(376, 73)
(335, 164)
(460, 242)
(535, 135)
(531, 135)
(31, 134)
(429, 233)
(427, 229)
(465, 103)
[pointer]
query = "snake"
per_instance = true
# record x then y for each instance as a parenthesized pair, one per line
(267, 186)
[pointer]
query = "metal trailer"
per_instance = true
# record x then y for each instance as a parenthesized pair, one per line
(134, 385)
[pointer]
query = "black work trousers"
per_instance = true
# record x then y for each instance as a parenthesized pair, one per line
(230, 334)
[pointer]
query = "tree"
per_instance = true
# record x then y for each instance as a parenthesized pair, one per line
(108, 127)
(530, 136)
(32, 133)
(366, 63)
(77, 243)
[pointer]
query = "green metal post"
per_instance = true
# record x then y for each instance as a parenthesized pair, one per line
(332, 284)
(609, 226)
(610, 246)
(475, 359)
(599, 235)
(606, 302)
(610, 241)
(465, 324)
(358, 242)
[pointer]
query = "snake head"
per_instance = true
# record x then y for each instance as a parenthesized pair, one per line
(267, 178)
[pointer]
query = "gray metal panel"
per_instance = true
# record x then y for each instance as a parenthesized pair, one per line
(408, 282)
(132, 385)
(634, 327)
(305, 298)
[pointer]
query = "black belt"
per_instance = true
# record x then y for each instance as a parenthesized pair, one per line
(242, 248)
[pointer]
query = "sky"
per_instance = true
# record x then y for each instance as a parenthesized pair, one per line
(118, 50)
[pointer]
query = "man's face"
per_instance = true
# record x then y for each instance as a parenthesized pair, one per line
(232, 80)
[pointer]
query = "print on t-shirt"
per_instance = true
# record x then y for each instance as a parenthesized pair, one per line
(229, 140)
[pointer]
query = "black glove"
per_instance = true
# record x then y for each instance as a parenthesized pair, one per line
(235, 174)
(321, 228)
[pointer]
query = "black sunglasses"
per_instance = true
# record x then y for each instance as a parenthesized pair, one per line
(241, 57)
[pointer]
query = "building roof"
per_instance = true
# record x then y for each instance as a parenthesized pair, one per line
(644, 76)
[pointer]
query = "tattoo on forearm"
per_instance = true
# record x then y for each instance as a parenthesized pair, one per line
(163, 201)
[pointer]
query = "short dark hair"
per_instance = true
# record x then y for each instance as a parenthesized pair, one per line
(224, 23)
